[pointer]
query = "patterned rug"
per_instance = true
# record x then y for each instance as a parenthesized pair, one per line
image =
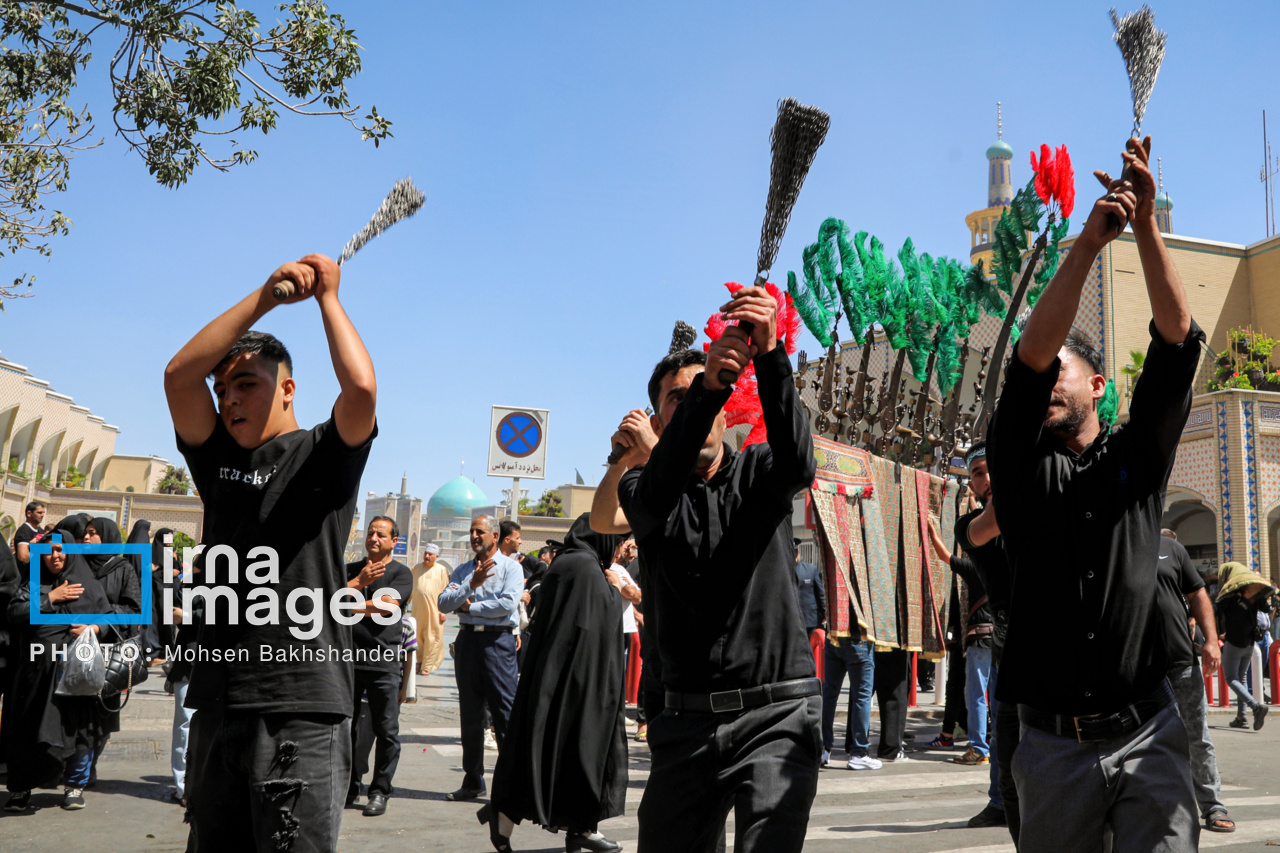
(880, 515)
(930, 493)
(840, 620)
(850, 524)
(912, 567)
(842, 465)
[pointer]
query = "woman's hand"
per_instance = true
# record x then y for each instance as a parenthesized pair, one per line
(66, 592)
(77, 630)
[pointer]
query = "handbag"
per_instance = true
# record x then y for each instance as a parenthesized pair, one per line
(126, 666)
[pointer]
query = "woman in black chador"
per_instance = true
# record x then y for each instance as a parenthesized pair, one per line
(51, 737)
(122, 582)
(563, 764)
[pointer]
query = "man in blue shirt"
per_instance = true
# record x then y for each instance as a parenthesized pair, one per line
(486, 590)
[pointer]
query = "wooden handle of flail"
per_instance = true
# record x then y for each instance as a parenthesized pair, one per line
(1116, 224)
(727, 376)
(284, 289)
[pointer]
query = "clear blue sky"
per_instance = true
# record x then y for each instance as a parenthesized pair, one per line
(593, 172)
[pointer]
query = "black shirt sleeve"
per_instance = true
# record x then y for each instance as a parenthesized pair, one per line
(1162, 397)
(791, 463)
(1189, 579)
(1015, 432)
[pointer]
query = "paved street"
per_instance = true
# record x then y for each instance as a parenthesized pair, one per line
(920, 805)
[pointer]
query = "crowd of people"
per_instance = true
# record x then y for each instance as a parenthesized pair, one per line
(1078, 656)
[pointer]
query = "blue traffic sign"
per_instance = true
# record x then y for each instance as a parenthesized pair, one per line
(519, 434)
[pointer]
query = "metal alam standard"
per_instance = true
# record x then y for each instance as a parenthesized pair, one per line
(403, 201)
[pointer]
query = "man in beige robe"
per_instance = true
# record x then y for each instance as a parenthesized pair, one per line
(429, 580)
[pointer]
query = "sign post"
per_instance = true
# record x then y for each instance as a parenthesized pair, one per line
(517, 447)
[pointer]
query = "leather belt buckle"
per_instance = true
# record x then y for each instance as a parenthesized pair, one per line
(1088, 718)
(729, 700)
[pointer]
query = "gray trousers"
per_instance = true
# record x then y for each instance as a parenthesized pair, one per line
(1188, 690)
(1133, 790)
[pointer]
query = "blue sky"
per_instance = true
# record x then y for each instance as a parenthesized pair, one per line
(594, 172)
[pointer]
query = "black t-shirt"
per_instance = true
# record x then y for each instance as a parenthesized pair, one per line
(379, 646)
(1239, 621)
(295, 494)
(1176, 578)
(25, 534)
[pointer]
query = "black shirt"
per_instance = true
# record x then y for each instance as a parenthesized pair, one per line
(377, 646)
(1177, 579)
(992, 567)
(719, 560)
(26, 533)
(811, 595)
(978, 621)
(1239, 621)
(296, 494)
(1082, 531)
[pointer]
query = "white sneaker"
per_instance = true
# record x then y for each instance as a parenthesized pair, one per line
(490, 742)
(864, 762)
(826, 757)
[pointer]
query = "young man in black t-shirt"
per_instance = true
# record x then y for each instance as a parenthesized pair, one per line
(385, 585)
(270, 748)
(29, 530)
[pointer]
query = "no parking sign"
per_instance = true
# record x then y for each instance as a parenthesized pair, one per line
(518, 442)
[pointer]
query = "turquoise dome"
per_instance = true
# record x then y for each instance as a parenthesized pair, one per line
(1163, 201)
(458, 497)
(1000, 148)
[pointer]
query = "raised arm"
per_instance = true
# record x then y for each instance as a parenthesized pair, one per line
(354, 411)
(191, 404)
(635, 434)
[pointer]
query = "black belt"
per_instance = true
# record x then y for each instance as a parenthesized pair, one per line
(494, 629)
(736, 700)
(1092, 728)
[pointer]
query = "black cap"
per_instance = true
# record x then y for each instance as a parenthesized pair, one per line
(796, 542)
(556, 545)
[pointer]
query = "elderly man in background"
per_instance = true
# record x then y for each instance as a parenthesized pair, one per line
(429, 580)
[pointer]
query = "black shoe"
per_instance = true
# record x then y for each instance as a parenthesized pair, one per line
(353, 792)
(989, 816)
(489, 815)
(377, 805)
(464, 794)
(1239, 723)
(19, 801)
(73, 798)
(1259, 716)
(575, 842)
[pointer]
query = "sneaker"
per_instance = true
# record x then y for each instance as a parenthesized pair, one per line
(901, 756)
(971, 758)
(1239, 723)
(1259, 716)
(19, 801)
(864, 762)
(989, 816)
(826, 757)
(942, 742)
(490, 742)
(73, 798)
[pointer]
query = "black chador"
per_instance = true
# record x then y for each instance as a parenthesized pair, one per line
(563, 764)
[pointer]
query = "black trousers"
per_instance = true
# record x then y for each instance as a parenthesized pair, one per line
(266, 782)
(382, 687)
(892, 672)
(1008, 732)
(485, 671)
(761, 762)
(956, 712)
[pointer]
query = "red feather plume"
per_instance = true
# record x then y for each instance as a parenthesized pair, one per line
(743, 406)
(1055, 179)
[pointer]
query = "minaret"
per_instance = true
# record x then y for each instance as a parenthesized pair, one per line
(404, 485)
(1164, 204)
(982, 223)
(999, 171)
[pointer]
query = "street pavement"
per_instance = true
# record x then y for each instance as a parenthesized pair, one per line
(920, 805)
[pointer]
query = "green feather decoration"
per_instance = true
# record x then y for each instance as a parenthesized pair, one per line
(853, 288)
(811, 311)
(1109, 405)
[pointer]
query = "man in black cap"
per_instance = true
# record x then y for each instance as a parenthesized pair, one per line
(714, 528)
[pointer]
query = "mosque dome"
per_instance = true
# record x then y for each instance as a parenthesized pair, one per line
(457, 497)
(1163, 202)
(998, 149)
